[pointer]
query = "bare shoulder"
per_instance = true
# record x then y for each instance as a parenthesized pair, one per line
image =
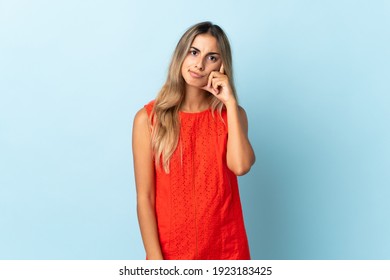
(242, 112)
(141, 119)
(243, 118)
(241, 109)
(141, 133)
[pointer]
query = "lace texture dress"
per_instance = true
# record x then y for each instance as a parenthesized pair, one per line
(198, 206)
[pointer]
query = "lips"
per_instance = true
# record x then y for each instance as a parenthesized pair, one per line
(195, 75)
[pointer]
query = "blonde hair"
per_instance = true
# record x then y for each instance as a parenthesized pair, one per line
(165, 114)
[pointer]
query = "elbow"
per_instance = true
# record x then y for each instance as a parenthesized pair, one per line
(241, 169)
(241, 172)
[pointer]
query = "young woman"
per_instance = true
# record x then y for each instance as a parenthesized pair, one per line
(189, 146)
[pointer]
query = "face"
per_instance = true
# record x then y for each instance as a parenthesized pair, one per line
(203, 57)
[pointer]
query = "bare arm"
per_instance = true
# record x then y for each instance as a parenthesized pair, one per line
(240, 156)
(145, 184)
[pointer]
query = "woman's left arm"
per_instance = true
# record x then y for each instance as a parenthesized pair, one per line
(240, 156)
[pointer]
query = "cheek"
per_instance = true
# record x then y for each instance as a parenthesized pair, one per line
(183, 69)
(187, 62)
(185, 65)
(215, 66)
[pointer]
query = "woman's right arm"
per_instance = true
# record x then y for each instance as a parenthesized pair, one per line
(145, 184)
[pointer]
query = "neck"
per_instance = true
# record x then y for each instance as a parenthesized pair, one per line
(195, 100)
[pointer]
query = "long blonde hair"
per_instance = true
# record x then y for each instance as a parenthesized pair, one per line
(165, 114)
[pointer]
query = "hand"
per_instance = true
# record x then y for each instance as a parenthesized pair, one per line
(218, 84)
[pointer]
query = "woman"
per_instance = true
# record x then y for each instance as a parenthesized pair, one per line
(189, 146)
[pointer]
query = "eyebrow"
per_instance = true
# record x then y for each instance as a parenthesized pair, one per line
(192, 47)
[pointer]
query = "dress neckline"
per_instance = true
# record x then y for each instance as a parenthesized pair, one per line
(195, 113)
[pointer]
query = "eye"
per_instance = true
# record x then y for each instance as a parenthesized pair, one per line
(193, 52)
(213, 58)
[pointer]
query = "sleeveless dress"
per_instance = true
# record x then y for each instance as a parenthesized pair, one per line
(198, 206)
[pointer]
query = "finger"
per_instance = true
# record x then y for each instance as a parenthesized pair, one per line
(210, 89)
(217, 82)
(213, 75)
(214, 91)
(210, 79)
(222, 70)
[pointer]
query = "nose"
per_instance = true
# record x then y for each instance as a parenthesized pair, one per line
(199, 64)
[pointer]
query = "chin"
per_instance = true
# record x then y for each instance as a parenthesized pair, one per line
(197, 85)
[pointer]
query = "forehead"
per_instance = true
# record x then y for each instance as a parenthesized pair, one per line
(205, 43)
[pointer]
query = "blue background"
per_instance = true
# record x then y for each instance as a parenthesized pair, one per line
(313, 77)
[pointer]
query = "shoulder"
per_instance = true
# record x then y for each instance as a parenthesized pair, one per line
(241, 110)
(149, 106)
(141, 116)
(242, 113)
(141, 125)
(243, 118)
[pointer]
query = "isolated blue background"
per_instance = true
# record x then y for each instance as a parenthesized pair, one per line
(313, 77)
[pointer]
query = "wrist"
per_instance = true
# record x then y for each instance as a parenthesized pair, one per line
(231, 105)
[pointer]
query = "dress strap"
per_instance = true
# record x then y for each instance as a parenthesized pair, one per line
(149, 107)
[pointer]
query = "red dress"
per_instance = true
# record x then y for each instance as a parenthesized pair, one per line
(198, 206)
